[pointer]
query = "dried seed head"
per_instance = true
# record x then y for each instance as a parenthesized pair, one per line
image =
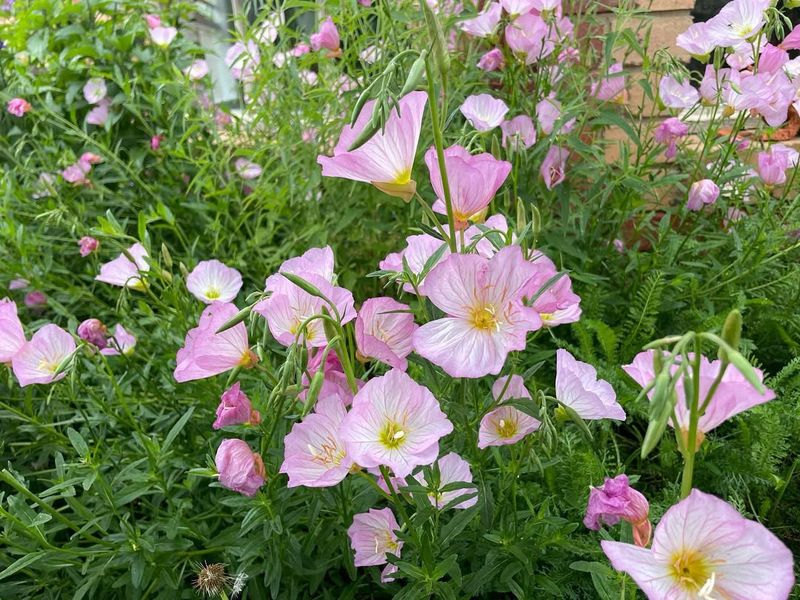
(211, 579)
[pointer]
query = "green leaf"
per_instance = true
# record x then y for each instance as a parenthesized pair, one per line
(176, 429)
(22, 563)
(77, 441)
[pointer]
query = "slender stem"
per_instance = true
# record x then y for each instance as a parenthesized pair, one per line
(694, 417)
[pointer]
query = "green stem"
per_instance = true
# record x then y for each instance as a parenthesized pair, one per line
(694, 417)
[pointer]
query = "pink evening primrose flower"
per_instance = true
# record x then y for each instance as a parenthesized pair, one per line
(474, 181)
(94, 332)
(548, 110)
(578, 388)
(612, 86)
(18, 284)
(387, 158)
(703, 548)
(518, 7)
(240, 469)
(206, 353)
(485, 24)
(152, 20)
(792, 40)
(668, 132)
(87, 245)
(235, 409)
(702, 192)
(530, 37)
(384, 330)
(242, 60)
(372, 537)
(485, 317)
(212, 281)
(122, 342)
(773, 164)
(395, 422)
(12, 336)
(163, 36)
(696, 40)
(327, 37)
(616, 500)
(738, 22)
(246, 169)
(123, 272)
(556, 305)
(493, 60)
(483, 111)
(99, 114)
(95, 90)
(334, 380)
(418, 251)
(197, 70)
(675, 94)
(18, 107)
(519, 133)
(452, 469)
(506, 425)
(315, 454)
(554, 167)
(38, 360)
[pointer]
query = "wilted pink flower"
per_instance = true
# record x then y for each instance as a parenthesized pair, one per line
(372, 536)
(121, 342)
(152, 21)
(94, 332)
(246, 169)
(90, 158)
(163, 36)
(473, 179)
(738, 22)
(675, 94)
(35, 298)
(773, 164)
(485, 24)
(395, 422)
(76, 173)
(327, 37)
(484, 112)
(87, 245)
(38, 360)
(703, 548)
(506, 425)
(315, 454)
(95, 90)
(235, 409)
(485, 317)
(668, 132)
(612, 86)
(616, 500)
(452, 469)
(530, 36)
(126, 273)
(578, 388)
(18, 107)
(493, 60)
(519, 133)
(242, 60)
(696, 40)
(240, 469)
(702, 192)
(387, 158)
(384, 330)
(212, 281)
(553, 169)
(197, 70)
(12, 336)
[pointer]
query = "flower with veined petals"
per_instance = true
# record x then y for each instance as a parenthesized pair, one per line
(372, 537)
(38, 360)
(703, 548)
(483, 111)
(315, 455)
(452, 469)
(384, 329)
(318, 261)
(738, 21)
(94, 90)
(519, 133)
(235, 409)
(387, 158)
(556, 305)
(616, 500)
(240, 469)
(612, 87)
(474, 181)
(126, 273)
(12, 336)
(327, 37)
(702, 192)
(506, 425)
(578, 387)
(696, 40)
(485, 318)
(518, 7)
(163, 36)
(395, 422)
(121, 342)
(554, 167)
(676, 94)
(530, 36)
(773, 164)
(212, 281)
(418, 251)
(485, 23)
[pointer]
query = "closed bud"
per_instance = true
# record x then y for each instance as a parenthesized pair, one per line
(166, 256)
(415, 75)
(731, 333)
(440, 54)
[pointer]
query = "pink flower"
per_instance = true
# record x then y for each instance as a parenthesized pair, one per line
(38, 360)
(485, 318)
(703, 548)
(518, 7)
(530, 36)
(772, 58)
(554, 167)
(384, 333)
(548, 111)
(612, 86)
(240, 469)
(485, 24)
(675, 94)
(242, 60)
(773, 164)
(12, 336)
(519, 133)
(792, 40)
(94, 332)
(395, 422)
(18, 107)
(327, 37)
(474, 180)
(668, 132)
(506, 425)
(197, 70)
(18, 284)
(90, 158)
(126, 273)
(578, 388)
(235, 409)
(452, 469)
(152, 21)
(211, 281)
(484, 112)
(87, 245)
(334, 380)
(738, 22)
(315, 454)
(163, 36)
(387, 158)
(365, 2)
(493, 60)
(770, 95)
(122, 342)
(372, 536)
(301, 49)
(616, 500)
(35, 298)
(418, 251)
(696, 40)
(95, 90)
(155, 142)
(702, 192)
(317, 261)
(556, 305)
(246, 169)
(206, 353)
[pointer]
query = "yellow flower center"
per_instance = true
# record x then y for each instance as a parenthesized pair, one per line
(546, 317)
(690, 569)
(392, 436)
(506, 428)
(212, 293)
(328, 453)
(484, 317)
(248, 359)
(403, 177)
(48, 367)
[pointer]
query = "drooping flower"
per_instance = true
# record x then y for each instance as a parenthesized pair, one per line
(12, 336)
(88, 245)
(554, 167)
(669, 131)
(121, 342)
(240, 469)
(483, 111)
(474, 181)
(556, 304)
(94, 332)
(616, 500)
(315, 454)
(702, 192)
(675, 94)
(578, 387)
(94, 90)
(327, 37)
(387, 158)
(235, 409)
(124, 272)
(703, 548)
(485, 24)
(384, 330)
(531, 37)
(212, 281)
(197, 70)
(163, 36)
(612, 87)
(519, 133)
(493, 60)
(506, 425)
(485, 318)
(38, 360)
(395, 422)
(372, 536)
(452, 469)
(18, 107)
(242, 60)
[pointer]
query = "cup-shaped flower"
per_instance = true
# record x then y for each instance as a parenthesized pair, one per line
(12, 336)
(483, 111)
(485, 23)
(94, 332)
(243, 60)
(38, 360)
(703, 548)
(616, 500)
(99, 114)
(235, 409)
(395, 422)
(121, 342)
(506, 425)
(612, 87)
(578, 388)
(773, 164)
(94, 90)
(315, 454)
(492, 60)
(125, 272)
(418, 251)
(556, 304)
(87, 245)
(163, 36)
(696, 40)
(384, 330)
(531, 37)
(334, 379)
(240, 469)
(702, 192)
(246, 169)
(317, 261)
(197, 70)
(327, 37)
(519, 133)
(18, 107)
(738, 22)
(473, 179)
(372, 536)
(387, 158)
(452, 469)
(554, 167)
(676, 94)
(486, 319)
(212, 281)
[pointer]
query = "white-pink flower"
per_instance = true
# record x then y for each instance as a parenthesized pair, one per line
(578, 388)
(121, 342)
(675, 94)
(483, 111)
(163, 36)
(506, 424)
(485, 23)
(197, 70)
(530, 36)
(95, 90)
(126, 273)
(372, 536)
(384, 330)
(243, 59)
(246, 169)
(212, 281)
(519, 133)
(38, 360)
(452, 469)
(12, 336)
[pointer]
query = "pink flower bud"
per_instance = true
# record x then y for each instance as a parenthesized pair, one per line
(155, 142)
(35, 298)
(235, 409)
(88, 245)
(702, 192)
(94, 332)
(153, 21)
(240, 469)
(616, 500)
